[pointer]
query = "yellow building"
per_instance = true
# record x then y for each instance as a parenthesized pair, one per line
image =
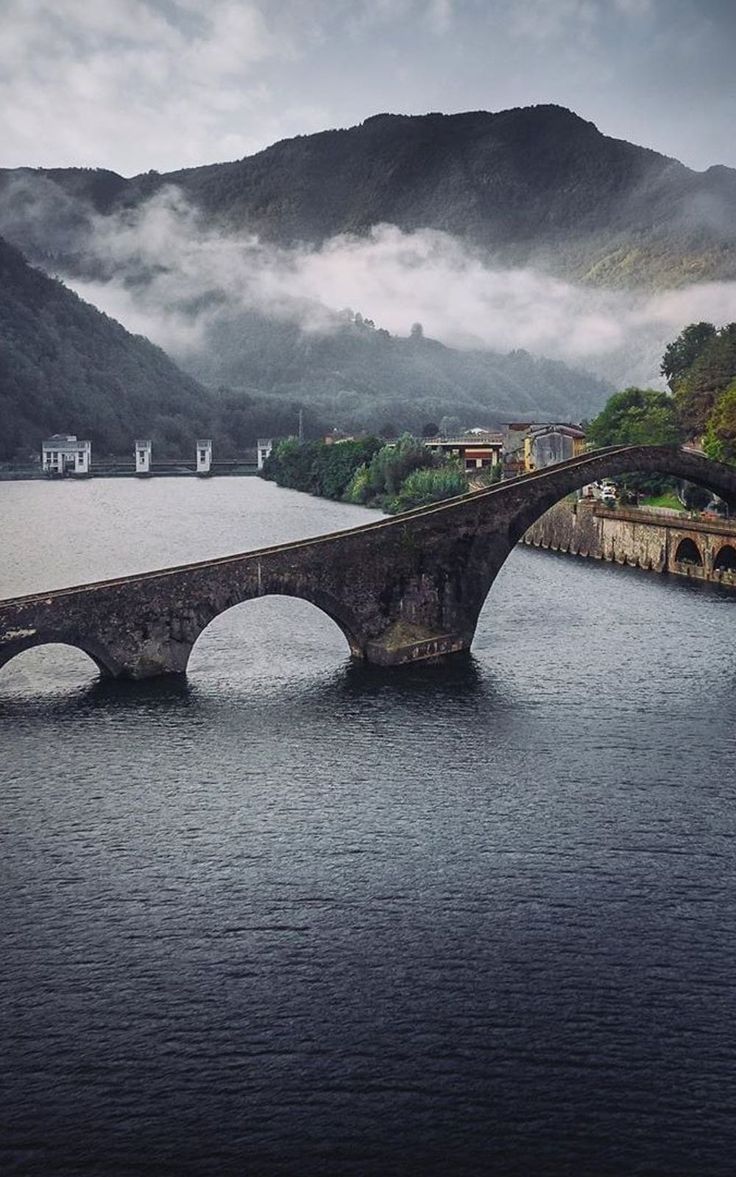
(544, 445)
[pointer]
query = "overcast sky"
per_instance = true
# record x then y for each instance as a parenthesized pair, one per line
(138, 84)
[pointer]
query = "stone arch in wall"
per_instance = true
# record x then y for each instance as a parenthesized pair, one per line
(688, 552)
(725, 560)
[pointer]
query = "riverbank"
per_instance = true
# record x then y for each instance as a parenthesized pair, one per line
(663, 542)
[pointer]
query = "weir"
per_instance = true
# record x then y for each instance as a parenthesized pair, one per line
(401, 590)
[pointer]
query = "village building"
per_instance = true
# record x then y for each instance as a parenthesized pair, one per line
(533, 445)
(476, 449)
(62, 454)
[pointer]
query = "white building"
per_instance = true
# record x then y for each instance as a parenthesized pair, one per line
(63, 454)
(264, 445)
(204, 456)
(143, 457)
(476, 449)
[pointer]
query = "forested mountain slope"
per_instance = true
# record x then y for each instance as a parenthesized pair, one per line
(535, 185)
(358, 376)
(66, 367)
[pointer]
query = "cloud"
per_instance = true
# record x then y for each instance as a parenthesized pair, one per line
(131, 78)
(173, 277)
(137, 84)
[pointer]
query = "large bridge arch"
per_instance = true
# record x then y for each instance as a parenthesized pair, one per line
(548, 486)
(513, 506)
(319, 602)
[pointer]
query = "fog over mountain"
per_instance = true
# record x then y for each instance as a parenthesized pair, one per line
(64, 366)
(525, 229)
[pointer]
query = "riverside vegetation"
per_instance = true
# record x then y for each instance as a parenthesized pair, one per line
(700, 366)
(367, 472)
(700, 369)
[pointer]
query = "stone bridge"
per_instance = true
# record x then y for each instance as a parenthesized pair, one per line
(401, 589)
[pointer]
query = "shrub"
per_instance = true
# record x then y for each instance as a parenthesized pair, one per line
(429, 486)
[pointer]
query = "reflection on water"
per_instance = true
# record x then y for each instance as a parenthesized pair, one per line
(290, 915)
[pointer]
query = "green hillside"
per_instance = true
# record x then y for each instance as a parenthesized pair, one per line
(357, 376)
(66, 367)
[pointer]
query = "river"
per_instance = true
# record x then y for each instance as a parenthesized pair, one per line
(297, 917)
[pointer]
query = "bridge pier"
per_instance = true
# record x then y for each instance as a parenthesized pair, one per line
(404, 643)
(153, 658)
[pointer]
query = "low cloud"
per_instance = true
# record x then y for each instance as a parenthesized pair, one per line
(172, 277)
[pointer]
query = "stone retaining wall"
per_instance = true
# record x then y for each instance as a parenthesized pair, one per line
(697, 548)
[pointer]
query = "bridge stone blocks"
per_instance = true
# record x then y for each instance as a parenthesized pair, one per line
(401, 590)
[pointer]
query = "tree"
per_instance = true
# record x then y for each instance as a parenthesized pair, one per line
(698, 389)
(429, 485)
(449, 426)
(680, 355)
(417, 331)
(720, 433)
(431, 429)
(636, 416)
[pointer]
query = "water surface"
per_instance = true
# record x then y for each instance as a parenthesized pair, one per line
(297, 917)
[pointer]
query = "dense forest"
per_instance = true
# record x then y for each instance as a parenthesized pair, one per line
(359, 377)
(66, 367)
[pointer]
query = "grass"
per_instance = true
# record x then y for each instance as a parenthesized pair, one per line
(666, 500)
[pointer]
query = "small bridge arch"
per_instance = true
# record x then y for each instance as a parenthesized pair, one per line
(249, 611)
(101, 657)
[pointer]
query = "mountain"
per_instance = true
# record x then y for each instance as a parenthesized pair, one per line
(357, 376)
(66, 367)
(535, 185)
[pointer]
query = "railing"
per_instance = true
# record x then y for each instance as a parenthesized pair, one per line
(680, 521)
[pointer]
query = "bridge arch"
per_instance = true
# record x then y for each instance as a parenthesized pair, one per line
(99, 655)
(508, 509)
(337, 618)
(538, 492)
(688, 552)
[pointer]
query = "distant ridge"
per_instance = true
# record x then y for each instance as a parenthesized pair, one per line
(533, 185)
